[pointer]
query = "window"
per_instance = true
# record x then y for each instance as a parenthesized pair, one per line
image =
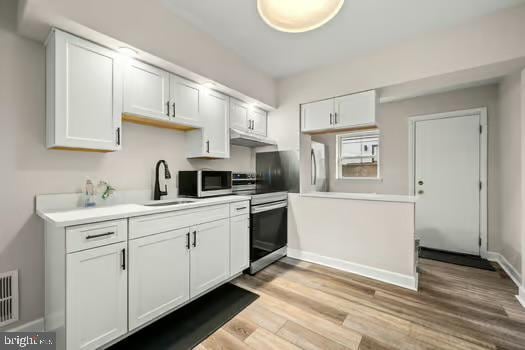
(358, 155)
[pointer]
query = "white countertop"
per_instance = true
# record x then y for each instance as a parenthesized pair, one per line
(79, 216)
(362, 196)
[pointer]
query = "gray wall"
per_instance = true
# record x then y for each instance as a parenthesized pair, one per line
(28, 168)
(506, 202)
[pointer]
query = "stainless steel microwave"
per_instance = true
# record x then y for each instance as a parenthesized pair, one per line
(205, 183)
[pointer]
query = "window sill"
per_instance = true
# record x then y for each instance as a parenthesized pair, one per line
(378, 179)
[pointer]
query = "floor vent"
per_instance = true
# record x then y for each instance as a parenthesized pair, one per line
(8, 297)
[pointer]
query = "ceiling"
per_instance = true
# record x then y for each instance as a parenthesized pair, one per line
(362, 26)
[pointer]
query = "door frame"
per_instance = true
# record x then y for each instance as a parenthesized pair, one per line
(483, 162)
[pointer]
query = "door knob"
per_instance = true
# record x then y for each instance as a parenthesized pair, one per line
(420, 183)
(420, 192)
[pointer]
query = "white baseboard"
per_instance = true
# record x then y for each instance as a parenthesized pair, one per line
(521, 296)
(405, 281)
(32, 326)
(506, 266)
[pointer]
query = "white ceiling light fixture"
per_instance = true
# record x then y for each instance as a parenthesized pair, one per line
(297, 16)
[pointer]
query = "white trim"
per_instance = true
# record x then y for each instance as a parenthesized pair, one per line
(506, 266)
(32, 326)
(405, 281)
(483, 206)
(521, 296)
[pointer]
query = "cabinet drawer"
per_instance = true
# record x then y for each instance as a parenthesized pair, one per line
(95, 235)
(151, 224)
(240, 208)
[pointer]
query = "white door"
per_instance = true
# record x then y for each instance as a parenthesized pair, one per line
(259, 121)
(159, 275)
(447, 183)
(216, 128)
(146, 91)
(210, 256)
(355, 110)
(96, 301)
(317, 116)
(185, 100)
(87, 96)
(239, 243)
(238, 115)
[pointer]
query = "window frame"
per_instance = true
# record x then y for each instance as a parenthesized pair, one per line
(361, 133)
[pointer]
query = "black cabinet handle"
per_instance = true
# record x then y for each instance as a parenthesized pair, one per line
(194, 238)
(331, 122)
(168, 105)
(241, 208)
(188, 240)
(335, 118)
(118, 136)
(100, 235)
(123, 263)
(173, 109)
(208, 146)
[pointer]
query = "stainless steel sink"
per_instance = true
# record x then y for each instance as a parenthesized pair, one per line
(176, 202)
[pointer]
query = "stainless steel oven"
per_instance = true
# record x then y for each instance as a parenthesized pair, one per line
(268, 229)
(205, 183)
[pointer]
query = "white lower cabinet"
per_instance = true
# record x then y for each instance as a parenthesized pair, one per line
(108, 279)
(210, 255)
(239, 244)
(97, 296)
(158, 275)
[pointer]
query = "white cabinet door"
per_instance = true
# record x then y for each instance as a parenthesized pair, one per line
(317, 116)
(239, 115)
(210, 256)
(159, 275)
(216, 128)
(355, 110)
(146, 90)
(239, 244)
(96, 301)
(259, 121)
(84, 94)
(185, 101)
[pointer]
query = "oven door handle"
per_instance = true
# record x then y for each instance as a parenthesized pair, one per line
(266, 207)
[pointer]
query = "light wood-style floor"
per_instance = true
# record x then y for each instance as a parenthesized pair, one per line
(308, 306)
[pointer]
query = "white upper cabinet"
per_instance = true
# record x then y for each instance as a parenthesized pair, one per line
(146, 91)
(355, 110)
(210, 255)
(185, 100)
(154, 96)
(346, 112)
(259, 121)
(213, 140)
(159, 277)
(97, 296)
(238, 115)
(317, 115)
(247, 119)
(84, 94)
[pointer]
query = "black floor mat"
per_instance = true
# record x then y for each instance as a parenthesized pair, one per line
(190, 325)
(456, 258)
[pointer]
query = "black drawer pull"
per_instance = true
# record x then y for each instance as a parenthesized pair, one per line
(100, 235)
(242, 208)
